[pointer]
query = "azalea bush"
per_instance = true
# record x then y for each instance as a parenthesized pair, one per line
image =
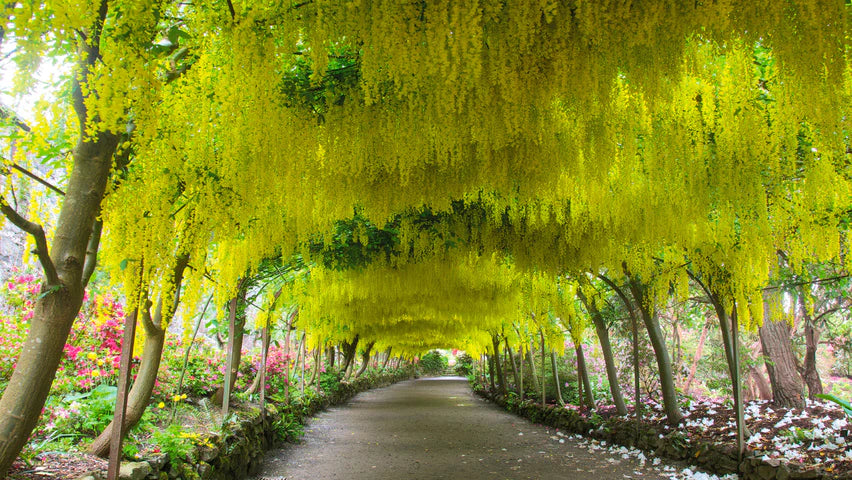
(92, 350)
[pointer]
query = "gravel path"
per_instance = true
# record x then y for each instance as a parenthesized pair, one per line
(436, 428)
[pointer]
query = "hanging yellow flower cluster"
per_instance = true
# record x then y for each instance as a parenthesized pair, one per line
(578, 135)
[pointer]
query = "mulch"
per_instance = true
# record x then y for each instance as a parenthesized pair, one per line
(58, 465)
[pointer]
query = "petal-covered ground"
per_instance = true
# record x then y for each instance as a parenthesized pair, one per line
(816, 437)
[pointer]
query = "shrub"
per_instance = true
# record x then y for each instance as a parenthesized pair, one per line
(433, 362)
(464, 365)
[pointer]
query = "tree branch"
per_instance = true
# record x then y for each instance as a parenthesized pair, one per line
(37, 232)
(92, 252)
(36, 178)
(6, 112)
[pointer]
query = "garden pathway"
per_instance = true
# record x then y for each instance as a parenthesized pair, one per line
(436, 428)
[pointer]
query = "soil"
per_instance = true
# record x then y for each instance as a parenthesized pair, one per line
(437, 428)
(56, 465)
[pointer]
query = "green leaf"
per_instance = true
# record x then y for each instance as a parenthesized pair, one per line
(48, 291)
(123, 264)
(847, 407)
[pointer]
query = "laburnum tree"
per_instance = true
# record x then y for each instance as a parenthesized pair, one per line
(517, 139)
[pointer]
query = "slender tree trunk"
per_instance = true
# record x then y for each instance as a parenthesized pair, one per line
(498, 365)
(515, 372)
(237, 321)
(521, 368)
(637, 404)
(287, 326)
(559, 398)
(584, 374)
(533, 375)
(329, 356)
(264, 349)
(543, 378)
(315, 367)
(387, 358)
(658, 342)
(304, 350)
(699, 351)
(606, 349)
(780, 362)
(491, 372)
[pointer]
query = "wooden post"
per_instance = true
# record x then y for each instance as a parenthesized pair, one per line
(229, 358)
(121, 396)
(521, 361)
(318, 366)
(287, 359)
(304, 351)
(543, 367)
(737, 390)
(637, 402)
(263, 357)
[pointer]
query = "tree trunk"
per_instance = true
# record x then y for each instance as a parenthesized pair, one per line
(606, 349)
(329, 357)
(365, 358)
(584, 376)
(637, 404)
(140, 393)
(559, 398)
(255, 384)
(65, 275)
(699, 351)
(498, 365)
(304, 350)
(152, 352)
(287, 326)
(387, 359)
(764, 391)
(521, 369)
(349, 350)
(533, 375)
(810, 374)
(238, 320)
(780, 361)
(491, 372)
(543, 378)
(515, 372)
(658, 342)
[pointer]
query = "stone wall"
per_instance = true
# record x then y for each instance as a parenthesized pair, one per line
(238, 451)
(715, 458)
